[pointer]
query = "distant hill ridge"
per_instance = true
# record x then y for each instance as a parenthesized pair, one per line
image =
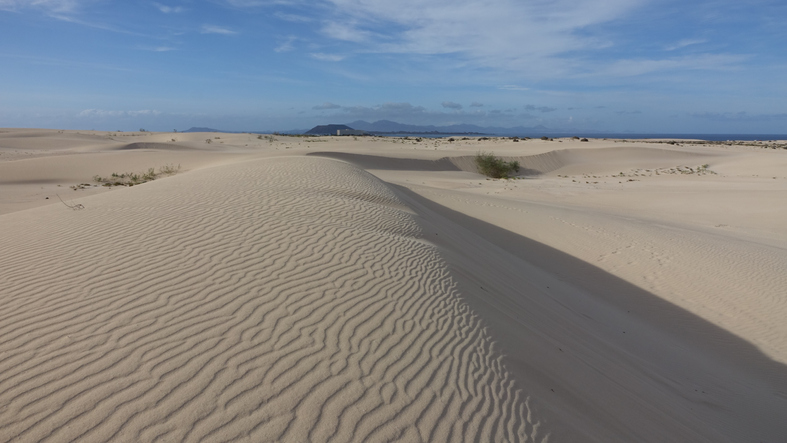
(327, 129)
(393, 127)
(388, 126)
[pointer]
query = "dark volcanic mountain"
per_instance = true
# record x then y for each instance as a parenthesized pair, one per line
(326, 129)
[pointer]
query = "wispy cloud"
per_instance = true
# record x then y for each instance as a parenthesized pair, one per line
(493, 33)
(327, 57)
(169, 9)
(346, 32)
(684, 43)
(385, 111)
(293, 18)
(64, 63)
(157, 48)
(49, 6)
(71, 11)
(101, 113)
(513, 88)
(476, 105)
(212, 29)
(451, 105)
(287, 45)
(635, 67)
(739, 116)
(326, 105)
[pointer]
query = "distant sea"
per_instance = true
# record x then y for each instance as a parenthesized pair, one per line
(621, 136)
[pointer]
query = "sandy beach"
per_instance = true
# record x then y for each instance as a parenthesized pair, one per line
(281, 288)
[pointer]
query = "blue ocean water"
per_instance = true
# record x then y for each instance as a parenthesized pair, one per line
(619, 136)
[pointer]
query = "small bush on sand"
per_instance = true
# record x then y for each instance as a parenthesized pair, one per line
(495, 167)
(131, 179)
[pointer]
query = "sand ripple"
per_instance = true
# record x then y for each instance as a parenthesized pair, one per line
(289, 299)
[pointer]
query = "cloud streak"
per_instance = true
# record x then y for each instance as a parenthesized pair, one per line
(684, 43)
(742, 116)
(496, 33)
(327, 57)
(49, 6)
(169, 9)
(101, 113)
(212, 29)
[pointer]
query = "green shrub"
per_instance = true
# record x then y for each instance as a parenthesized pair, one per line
(495, 167)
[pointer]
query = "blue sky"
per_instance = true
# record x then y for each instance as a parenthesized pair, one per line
(706, 66)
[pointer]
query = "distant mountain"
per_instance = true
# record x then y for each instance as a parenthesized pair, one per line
(388, 126)
(197, 129)
(391, 127)
(327, 129)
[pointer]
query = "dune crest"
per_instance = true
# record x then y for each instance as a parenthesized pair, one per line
(290, 299)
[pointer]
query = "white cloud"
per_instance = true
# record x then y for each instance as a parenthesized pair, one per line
(627, 68)
(287, 45)
(294, 18)
(684, 43)
(327, 57)
(50, 6)
(347, 32)
(496, 33)
(212, 29)
(169, 9)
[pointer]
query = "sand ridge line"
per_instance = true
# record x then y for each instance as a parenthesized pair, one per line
(289, 299)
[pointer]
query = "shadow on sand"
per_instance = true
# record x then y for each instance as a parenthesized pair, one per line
(685, 380)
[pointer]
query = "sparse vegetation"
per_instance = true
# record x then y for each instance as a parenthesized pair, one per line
(131, 178)
(495, 167)
(75, 207)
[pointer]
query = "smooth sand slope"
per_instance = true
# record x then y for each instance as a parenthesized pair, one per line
(332, 289)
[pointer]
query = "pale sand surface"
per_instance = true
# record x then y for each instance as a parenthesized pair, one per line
(334, 289)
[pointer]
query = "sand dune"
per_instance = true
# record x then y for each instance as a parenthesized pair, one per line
(284, 300)
(617, 292)
(599, 160)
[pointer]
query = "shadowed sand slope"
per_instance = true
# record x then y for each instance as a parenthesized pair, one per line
(290, 299)
(618, 362)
